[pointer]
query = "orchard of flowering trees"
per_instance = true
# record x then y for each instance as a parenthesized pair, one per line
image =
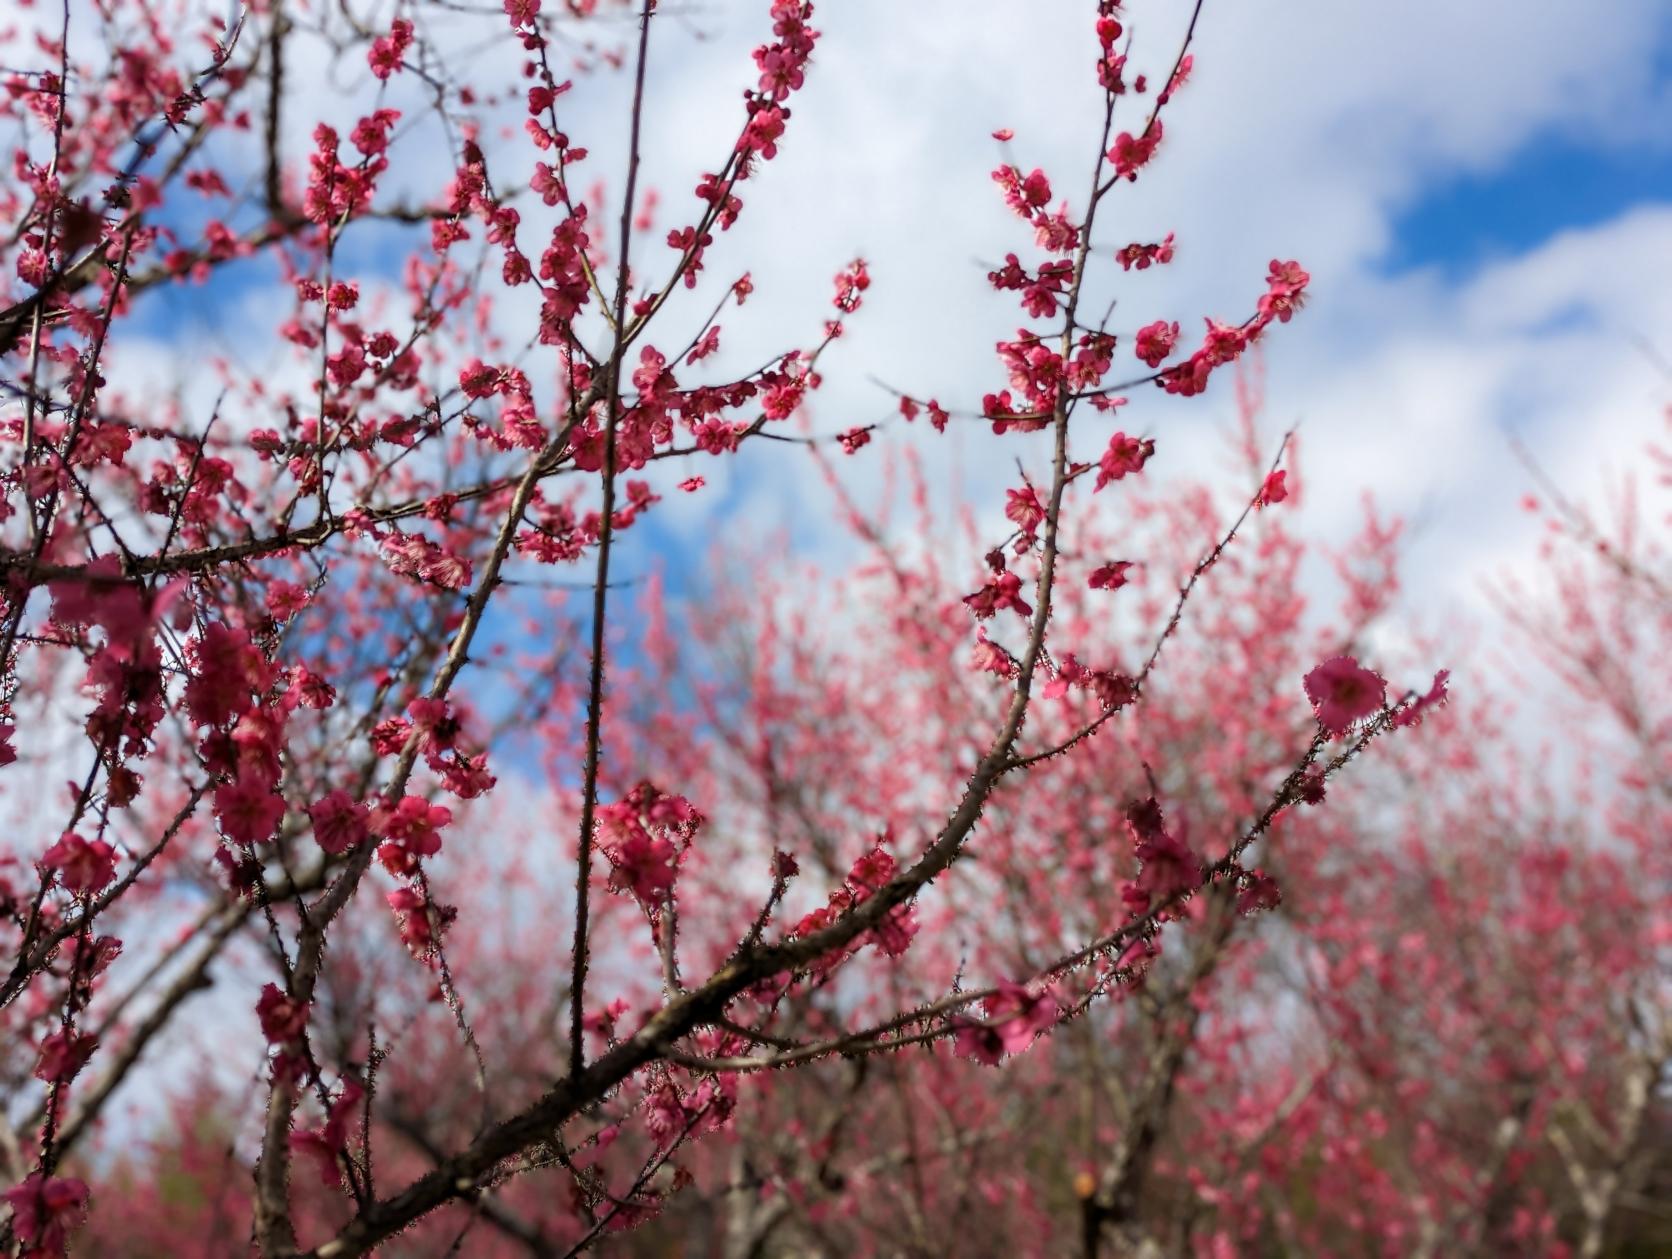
(396, 862)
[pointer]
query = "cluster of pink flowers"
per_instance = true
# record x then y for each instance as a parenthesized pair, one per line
(1030, 197)
(1041, 291)
(411, 830)
(284, 1023)
(645, 836)
(319, 557)
(422, 920)
(893, 936)
(337, 192)
(84, 866)
(1169, 868)
(1003, 592)
(388, 51)
(1225, 343)
(1143, 257)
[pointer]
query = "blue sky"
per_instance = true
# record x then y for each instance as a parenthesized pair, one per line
(1548, 185)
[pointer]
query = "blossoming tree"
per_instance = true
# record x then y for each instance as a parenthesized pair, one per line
(518, 901)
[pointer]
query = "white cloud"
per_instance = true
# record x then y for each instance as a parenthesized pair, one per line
(1307, 128)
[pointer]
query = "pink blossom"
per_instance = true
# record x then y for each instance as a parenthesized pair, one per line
(1003, 591)
(1156, 341)
(1110, 576)
(977, 1040)
(1342, 691)
(1020, 1012)
(83, 865)
(1131, 154)
(1023, 507)
(643, 864)
(63, 1054)
(339, 822)
(282, 1020)
(1144, 256)
(45, 1211)
(522, 12)
(1438, 693)
(854, 440)
(327, 1144)
(1125, 455)
(988, 657)
(248, 808)
(1258, 891)
(388, 50)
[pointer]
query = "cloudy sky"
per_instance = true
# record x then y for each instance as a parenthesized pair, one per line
(1482, 193)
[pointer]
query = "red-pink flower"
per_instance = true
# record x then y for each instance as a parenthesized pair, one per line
(1020, 1012)
(1156, 341)
(1285, 291)
(1110, 576)
(421, 921)
(1273, 491)
(1125, 454)
(644, 865)
(388, 50)
(1023, 507)
(854, 440)
(1342, 691)
(339, 821)
(988, 657)
(1144, 256)
(1131, 154)
(282, 1020)
(1002, 591)
(1017, 1013)
(230, 669)
(765, 129)
(327, 1144)
(1436, 697)
(248, 809)
(1258, 891)
(63, 1054)
(413, 822)
(45, 1211)
(975, 1039)
(851, 283)
(83, 865)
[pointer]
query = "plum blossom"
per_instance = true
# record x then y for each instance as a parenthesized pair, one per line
(1272, 490)
(1342, 691)
(1016, 1014)
(327, 1144)
(83, 865)
(45, 1211)
(339, 821)
(282, 1019)
(1110, 576)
